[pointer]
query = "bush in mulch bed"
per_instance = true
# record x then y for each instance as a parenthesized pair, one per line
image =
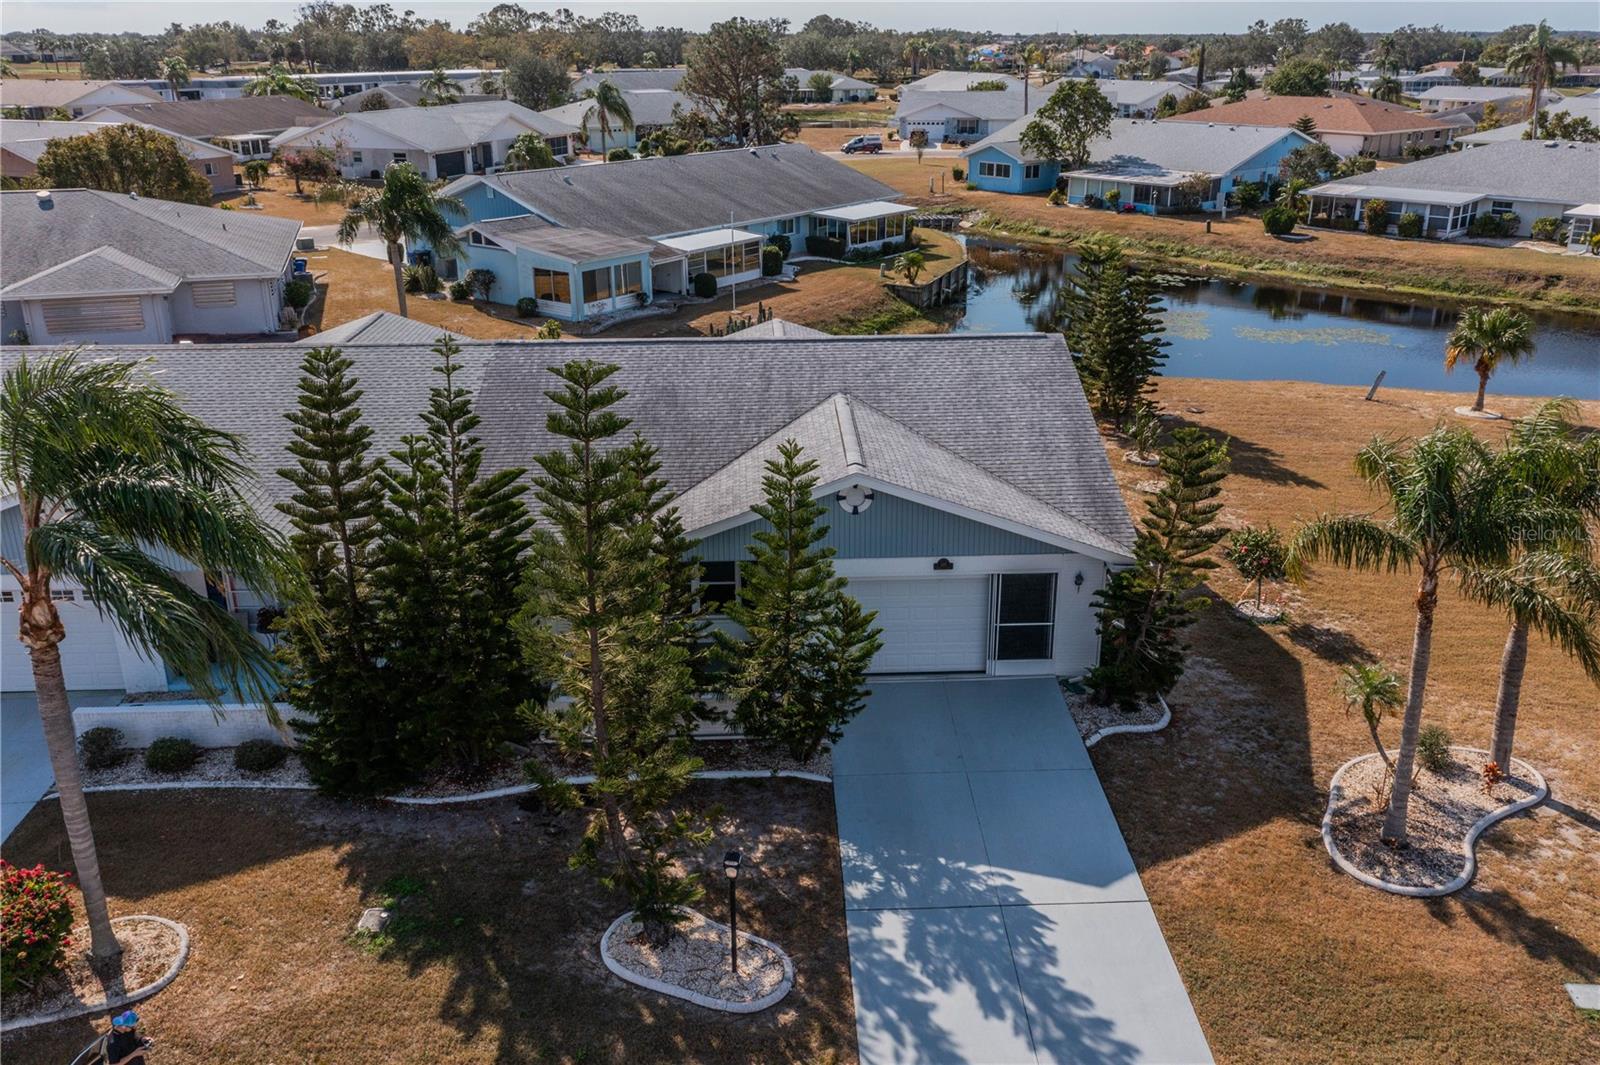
(35, 917)
(259, 756)
(1433, 749)
(171, 754)
(102, 747)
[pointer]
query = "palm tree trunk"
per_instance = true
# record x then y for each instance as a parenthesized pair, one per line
(397, 259)
(55, 712)
(1512, 665)
(1394, 822)
(1377, 740)
(1483, 386)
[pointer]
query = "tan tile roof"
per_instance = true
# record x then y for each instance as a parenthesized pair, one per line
(1333, 114)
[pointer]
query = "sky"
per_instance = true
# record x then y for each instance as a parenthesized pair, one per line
(1005, 16)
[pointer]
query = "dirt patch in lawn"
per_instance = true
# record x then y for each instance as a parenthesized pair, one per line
(493, 955)
(1286, 958)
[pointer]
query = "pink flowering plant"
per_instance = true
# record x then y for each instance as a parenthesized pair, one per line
(1258, 554)
(35, 919)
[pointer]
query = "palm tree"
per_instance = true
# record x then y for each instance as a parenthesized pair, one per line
(278, 81)
(256, 171)
(1293, 195)
(1485, 338)
(1552, 586)
(406, 208)
(915, 49)
(489, 85)
(439, 88)
(106, 465)
(1372, 690)
(1386, 89)
(1537, 60)
(1384, 56)
(176, 71)
(1444, 516)
(609, 102)
(6, 70)
(530, 151)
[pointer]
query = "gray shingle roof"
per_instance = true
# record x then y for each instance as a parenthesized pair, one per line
(58, 92)
(650, 107)
(957, 81)
(1141, 144)
(575, 244)
(100, 272)
(219, 118)
(986, 105)
(665, 195)
(439, 129)
(380, 327)
(189, 241)
(841, 82)
(398, 96)
(1009, 408)
(631, 78)
(28, 139)
(775, 328)
(1567, 173)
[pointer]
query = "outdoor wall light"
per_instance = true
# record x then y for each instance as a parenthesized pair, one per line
(944, 564)
(1077, 582)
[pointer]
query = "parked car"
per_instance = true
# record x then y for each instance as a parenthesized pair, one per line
(871, 143)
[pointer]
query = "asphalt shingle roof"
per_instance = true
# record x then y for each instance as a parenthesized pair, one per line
(100, 272)
(957, 81)
(397, 96)
(439, 129)
(650, 107)
(380, 327)
(1142, 144)
(58, 92)
(575, 244)
(27, 139)
(1007, 407)
(631, 78)
(1569, 173)
(802, 76)
(1332, 114)
(774, 328)
(183, 239)
(666, 195)
(986, 105)
(220, 118)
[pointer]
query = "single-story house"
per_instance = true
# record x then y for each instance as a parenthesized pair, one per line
(1144, 160)
(42, 97)
(244, 125)
(1475, 97)
(396, 97)
(1136, 98)
(22, 142)
(1530, 179)
(651, 109)
(1416, 83)
(630, 79)
(978, 540)
(1349, 125)
(959, 81)
(961, 115)
(327, 86)
(587, 241)
(775, 329)
(380, 327)
(83, 266)
(441, 142)
(844, 89)
(1585, 106)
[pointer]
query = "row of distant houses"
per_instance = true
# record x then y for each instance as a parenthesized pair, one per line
(964, 106)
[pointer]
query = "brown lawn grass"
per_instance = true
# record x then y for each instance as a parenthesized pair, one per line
(501, 961)
(1240, 247)
(72, 71)
(277, 198)
(1287, 959)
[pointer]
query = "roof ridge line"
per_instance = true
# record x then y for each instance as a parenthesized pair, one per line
(849, 437)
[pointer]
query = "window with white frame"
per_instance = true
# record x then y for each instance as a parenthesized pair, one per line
(787, 226)
(1502, 207)
(597, 284)
(210, 170)
(1030, 171)
(554, 286)
(994, 170)
(400, 157)
(1024, 616)
(355, 157)
(966, 126)
(725, 261)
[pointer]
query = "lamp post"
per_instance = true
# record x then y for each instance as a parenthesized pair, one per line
(730, 868)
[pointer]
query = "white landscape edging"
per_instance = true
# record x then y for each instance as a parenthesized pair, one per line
(1112, 730)
(116, 1003)
(1468, 845)
(771, 998)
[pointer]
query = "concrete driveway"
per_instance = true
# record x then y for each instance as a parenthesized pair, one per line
(24, 761)
(994, 912)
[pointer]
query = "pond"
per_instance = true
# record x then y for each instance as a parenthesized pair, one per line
(1249, 332)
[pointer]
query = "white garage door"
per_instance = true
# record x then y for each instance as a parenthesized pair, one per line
(929, 626)
(88, 654)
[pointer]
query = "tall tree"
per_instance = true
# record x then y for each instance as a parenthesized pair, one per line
(348, 738)
(736, 76)
(1537, 61)
(1109, 315)
(607, 104)
(1444, 516)
(790, 672)
(1143, 609)
(176, 73)
(1486, 338)
(536, 82)
(594, 624)
(1065, 125)
(439, 87)
(123, 158)
(277, 80)
(1299, 76)
(105, 465)
(530, 151)
(406, 208)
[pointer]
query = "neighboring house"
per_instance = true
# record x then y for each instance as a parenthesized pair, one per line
(977, 539)
(441, 142)
(845, 89)
(396, 97)
(651, 109)
(588, 241)
(245, 126)
(101, 267)
(381, 327)
(1530, 179)
(1145, 161)
(1136, 98)
(1350, 125)
(958, 81)
(775, 329)
(1474, 97)
(1090, 66)
(1586, 106)
(327, 86)
(1416, 83)
(942, 106)
(22, 143)
(41, 98)
(631, 79)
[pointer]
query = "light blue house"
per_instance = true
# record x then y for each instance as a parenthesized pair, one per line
(587, 241)
(1147, 162)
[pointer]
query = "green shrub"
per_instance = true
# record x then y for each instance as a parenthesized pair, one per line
(771, 260)
(617, 155)
(1278, 220)
(171, 754)
(782, 242)
(298, 293)
(527, 307)
(958, 172)
(1113, 197)
(826, 247)
(1548, 228)
(420, 278)
(1376, 217)
(549, 330)
(1410, 225)
(1433, 749)
(1056, 198)
(459, 291)
(35, 919)
(259, 756)
(705, 285)
(480, 282)
(102, 747)
(1247, 195)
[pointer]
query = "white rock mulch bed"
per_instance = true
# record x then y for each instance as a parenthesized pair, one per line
(1267, 611)
(1095, 722)
(694, 964)
(214, 767)
(1149, 487)
(1141, 460)
(153, 951)
(1447, 813)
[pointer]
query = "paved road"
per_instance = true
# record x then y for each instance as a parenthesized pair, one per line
(994, 912)
(327, 237)
(24, 763)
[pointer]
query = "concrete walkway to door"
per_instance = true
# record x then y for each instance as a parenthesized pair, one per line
(994, 913)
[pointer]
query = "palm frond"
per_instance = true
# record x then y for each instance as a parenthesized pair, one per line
(1349, 540)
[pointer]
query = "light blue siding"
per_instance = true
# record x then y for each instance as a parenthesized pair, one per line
(890, 528)
(1015, 179)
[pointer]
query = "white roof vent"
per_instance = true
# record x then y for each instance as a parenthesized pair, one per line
(42, 197)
